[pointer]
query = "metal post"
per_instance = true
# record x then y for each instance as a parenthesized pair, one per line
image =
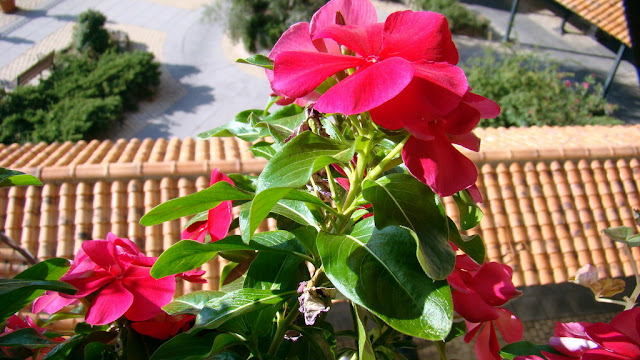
(512, 17)
(612, 72)
(565, 18)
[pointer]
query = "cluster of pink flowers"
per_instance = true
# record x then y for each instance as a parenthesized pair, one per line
(477, 291)
(113, 275)
(618, 340)
(402, 71)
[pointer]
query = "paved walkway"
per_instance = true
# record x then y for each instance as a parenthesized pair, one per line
(202, 86)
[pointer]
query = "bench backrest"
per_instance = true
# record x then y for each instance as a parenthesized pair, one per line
(36, 69)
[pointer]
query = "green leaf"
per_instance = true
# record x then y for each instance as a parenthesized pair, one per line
(470, 213)
(100, 351)
(316, 343)
(186, 346)
(25, 287)
(28, 337)
(62, 351)
(365, 349)
(296, 211)
(633, 240)
(240, 302)
(191, 303)
(470, 245)
(619, 234)
(187, 255)
(272, 271)
(258, 60)
(307, 238)
(263, 149)
(194, 203)
(400, 199)
(240, 127)
(16, 178)
(282, 123)
(512, 350)
(457, 329)
(299, 158)
(259, 209)
(379, 272)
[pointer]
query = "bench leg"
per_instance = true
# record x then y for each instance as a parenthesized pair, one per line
(565, 18)
(512, 17)
(612, 72)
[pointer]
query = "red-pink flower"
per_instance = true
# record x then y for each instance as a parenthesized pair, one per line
(218, 219)
(618, 340)
(487, 346)
(477, 290)
(163, 326)
(15, 323)
(114, 275)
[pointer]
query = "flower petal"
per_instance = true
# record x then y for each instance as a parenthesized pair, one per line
(104, 254)
(149, 294)
(297, 73)
(87, 283)
(109, 304)
(296, 38)
(449, 84)
(364, 41)
(608, 337)
(509, 326)
(354, 12)
(487, 346)
(468, 140)
(471, 307)
(438, 164)
(367, 88)
(51, 302)
(628, 323)
(493, 283)
(219, 218)
(421, 35)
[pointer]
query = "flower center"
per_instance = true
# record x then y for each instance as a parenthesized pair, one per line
(372, 59)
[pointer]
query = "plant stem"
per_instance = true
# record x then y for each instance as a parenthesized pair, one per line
(382, 165)
(631, 302)
(611, 301)
(332, 187)
(442, 349)
(22, 251)
(283, 325)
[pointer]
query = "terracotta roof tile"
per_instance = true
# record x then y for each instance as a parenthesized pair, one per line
(548, 192)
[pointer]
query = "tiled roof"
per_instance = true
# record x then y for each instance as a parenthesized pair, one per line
(548, 192)
(608, 15)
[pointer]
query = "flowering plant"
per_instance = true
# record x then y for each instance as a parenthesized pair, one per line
(359, 155)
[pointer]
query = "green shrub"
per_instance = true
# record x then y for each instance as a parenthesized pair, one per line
(532, 91)
(81, 99)
(259, 23)
(461, 20)
(90, 34)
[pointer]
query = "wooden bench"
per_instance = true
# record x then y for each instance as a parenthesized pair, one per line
(36, 69)
(608, 15)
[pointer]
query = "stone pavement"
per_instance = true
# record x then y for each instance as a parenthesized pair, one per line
(202, 86)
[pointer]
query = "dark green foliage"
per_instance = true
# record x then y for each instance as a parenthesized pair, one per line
(461, 20)
(80, 100)
(532, 91)
(90, 35)
(259, 23)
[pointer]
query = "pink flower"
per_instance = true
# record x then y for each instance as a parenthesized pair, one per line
(114, 275)
(163, 326)
(620, 339)
(15, 323)
(218, 219)
(487, 346)
(476, 291)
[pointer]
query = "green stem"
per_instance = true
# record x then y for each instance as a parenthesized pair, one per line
(611, 301)
(382, 165)
(442, 349)
(332, 187)
(283, 325)
(631, 302)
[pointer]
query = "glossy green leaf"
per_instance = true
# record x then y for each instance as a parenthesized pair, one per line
(400, 199)
(62, 351)
(25, 287)
(365, 349)
(237, 303)
(192, 302)
(259, 209)
(296, 211)
(469, 211)
(100, 351)
(16, 178)
(258, 60)
(306, 236)
(263, 149)
(273, 271)
(379, 272)
(471, 245)
(316, 342)
(186, 346)
(619, 234)
(281, 124)
(194, 203)
(299, 158)
(240, 127)
(187, 255)
(28, 337)
(512, 350)
(457, 329)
